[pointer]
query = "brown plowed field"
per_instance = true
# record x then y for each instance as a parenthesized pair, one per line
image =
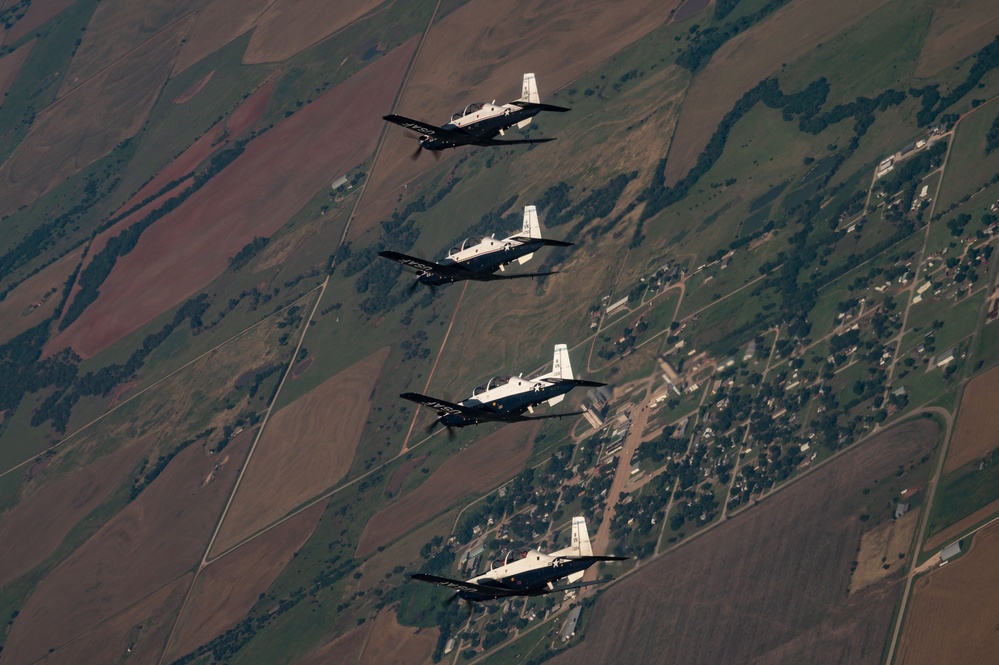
(376, 642)
(186, 162)
(478, 468)
(480, 52)
(948, 535)
(748, 58)
(33, 529)
(958, 29)
(307, 447)
(977, 422)
(189, 94)
(768, 586)
(119, 26)
(144, 627)
(288, 27)
(952, 614)
(88, 123)
(33, 290)
(39, 11)
(250, 110)
(254, 196)
(10, 65)
(153, 541)
(228, 588)
(217, 24)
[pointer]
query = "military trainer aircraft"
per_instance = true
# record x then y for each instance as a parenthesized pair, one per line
(479, 123)
(479, 258)
(506, 398)
(529, 572)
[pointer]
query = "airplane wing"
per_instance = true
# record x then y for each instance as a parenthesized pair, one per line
(541, 107)
(514, 142)
(450, 272)
(459, 585)
(429, 130)
(442, 406)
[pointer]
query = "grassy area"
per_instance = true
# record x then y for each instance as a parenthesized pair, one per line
(962, 492)
(968, 166)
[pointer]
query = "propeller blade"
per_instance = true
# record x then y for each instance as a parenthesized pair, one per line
(416, 155)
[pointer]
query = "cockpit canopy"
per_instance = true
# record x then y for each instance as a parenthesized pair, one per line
(465, 244)
(511, 556)
(494, 382)
(471, 108)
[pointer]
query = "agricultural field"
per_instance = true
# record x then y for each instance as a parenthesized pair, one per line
(782, 234)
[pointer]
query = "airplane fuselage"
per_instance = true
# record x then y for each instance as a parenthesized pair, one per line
(485, 123)
(534, 574)
(486, 257)
(513, 398)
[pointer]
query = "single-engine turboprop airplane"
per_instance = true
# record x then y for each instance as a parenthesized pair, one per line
(479, 258)
(479, 123)
(506, 398)
(529, 572)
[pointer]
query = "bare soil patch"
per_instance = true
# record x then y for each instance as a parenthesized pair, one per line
(250, 110)
(33, 529)
(480, 51)
(478, 468)
(38, 13)
(958, 29)
(88, 123)
(952, 614)
(156, 539)
(228, 588)
(880, 547)
(400, 475)
(301, 367)
(33, 300)
(189, 94)
(289, 27)
(977, 422)
(949, 534)
(747, 59)
(767, 586)
(307, 447)
(383, 640)
(10, 65)
(254, 196)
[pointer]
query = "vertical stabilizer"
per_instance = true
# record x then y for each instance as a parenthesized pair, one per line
(532, 229)
(561, 369)
(579, 546)
(529, 93)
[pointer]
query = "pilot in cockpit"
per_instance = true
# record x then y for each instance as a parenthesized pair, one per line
(471, 108)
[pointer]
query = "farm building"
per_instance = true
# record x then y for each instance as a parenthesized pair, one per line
(569, 629)
(949, 552)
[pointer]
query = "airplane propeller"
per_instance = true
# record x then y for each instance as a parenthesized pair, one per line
(451, 434)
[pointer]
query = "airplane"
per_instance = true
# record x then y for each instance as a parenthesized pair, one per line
(529, 572)
(479, 123)
(478, 258)
(506, 398)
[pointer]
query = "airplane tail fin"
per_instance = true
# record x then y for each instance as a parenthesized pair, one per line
(529, 93)
(532, 229)
(579, 546)
(561, 369)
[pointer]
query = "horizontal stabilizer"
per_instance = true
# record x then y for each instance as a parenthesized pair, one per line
(488, 142)
(541, 107)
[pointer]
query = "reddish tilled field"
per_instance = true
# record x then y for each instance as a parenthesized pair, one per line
(478, 468)
(400, 475)
(151, 543)
(275, 176)
(10, 65)
(952, 614)
(768, 586)
(380, 641)
(480, 52)
(977, 422)
(745, 60)
(228, 588)
(308, 446)
(33, 529)
(189, 94)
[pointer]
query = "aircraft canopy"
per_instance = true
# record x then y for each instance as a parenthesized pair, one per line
(471, 241)
(494, 382)
(471, 108)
